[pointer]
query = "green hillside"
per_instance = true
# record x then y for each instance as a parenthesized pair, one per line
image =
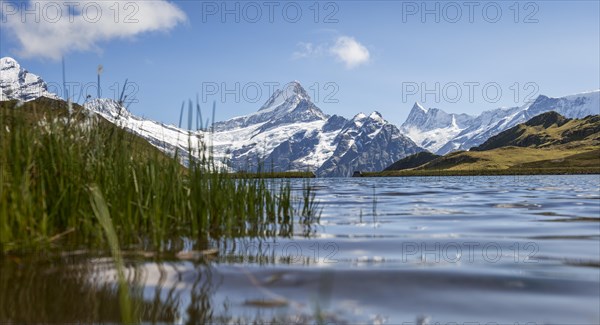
(546, 144)
(547, 130)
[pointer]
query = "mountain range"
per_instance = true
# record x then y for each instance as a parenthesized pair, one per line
(289, 132)
(548, 143)
(440, 132)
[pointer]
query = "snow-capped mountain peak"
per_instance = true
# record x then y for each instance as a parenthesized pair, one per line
(9, 63)
(290, 92)
(18, 83)
(287, 105)
(294, 134)
(418, 106)
(358, 119)
(432, 128)
(367, 142)
(376, 116)
(416, 116)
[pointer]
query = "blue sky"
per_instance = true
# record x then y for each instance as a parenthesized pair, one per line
(358, 56)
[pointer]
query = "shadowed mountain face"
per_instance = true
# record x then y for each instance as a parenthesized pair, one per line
(412, 161)
(548, 119)
(367, 143)
(289, 132)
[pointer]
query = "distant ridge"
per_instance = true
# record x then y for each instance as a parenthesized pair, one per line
(441, 133)
(548, 143)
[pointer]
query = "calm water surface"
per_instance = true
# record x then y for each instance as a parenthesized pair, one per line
(424, 250)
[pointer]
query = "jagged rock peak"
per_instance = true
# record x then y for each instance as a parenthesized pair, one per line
(291, 91)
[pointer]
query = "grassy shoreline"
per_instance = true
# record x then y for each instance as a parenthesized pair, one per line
(488, 172)
(269, 175)
(57, 162)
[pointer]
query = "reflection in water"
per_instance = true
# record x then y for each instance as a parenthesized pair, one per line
(462, 250)
(67, 291)
(84, 288)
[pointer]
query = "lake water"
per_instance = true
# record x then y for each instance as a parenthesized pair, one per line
(419, 250)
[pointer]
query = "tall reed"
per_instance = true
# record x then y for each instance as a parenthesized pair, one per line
(50, 157)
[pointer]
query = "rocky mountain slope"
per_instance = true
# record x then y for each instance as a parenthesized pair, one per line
(441, 133)
(546, 143)
(289, 132)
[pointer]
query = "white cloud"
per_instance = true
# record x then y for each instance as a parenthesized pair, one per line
(308, 50)
(350, 51)
(63, 28)
(345, 49)
(305, 50)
